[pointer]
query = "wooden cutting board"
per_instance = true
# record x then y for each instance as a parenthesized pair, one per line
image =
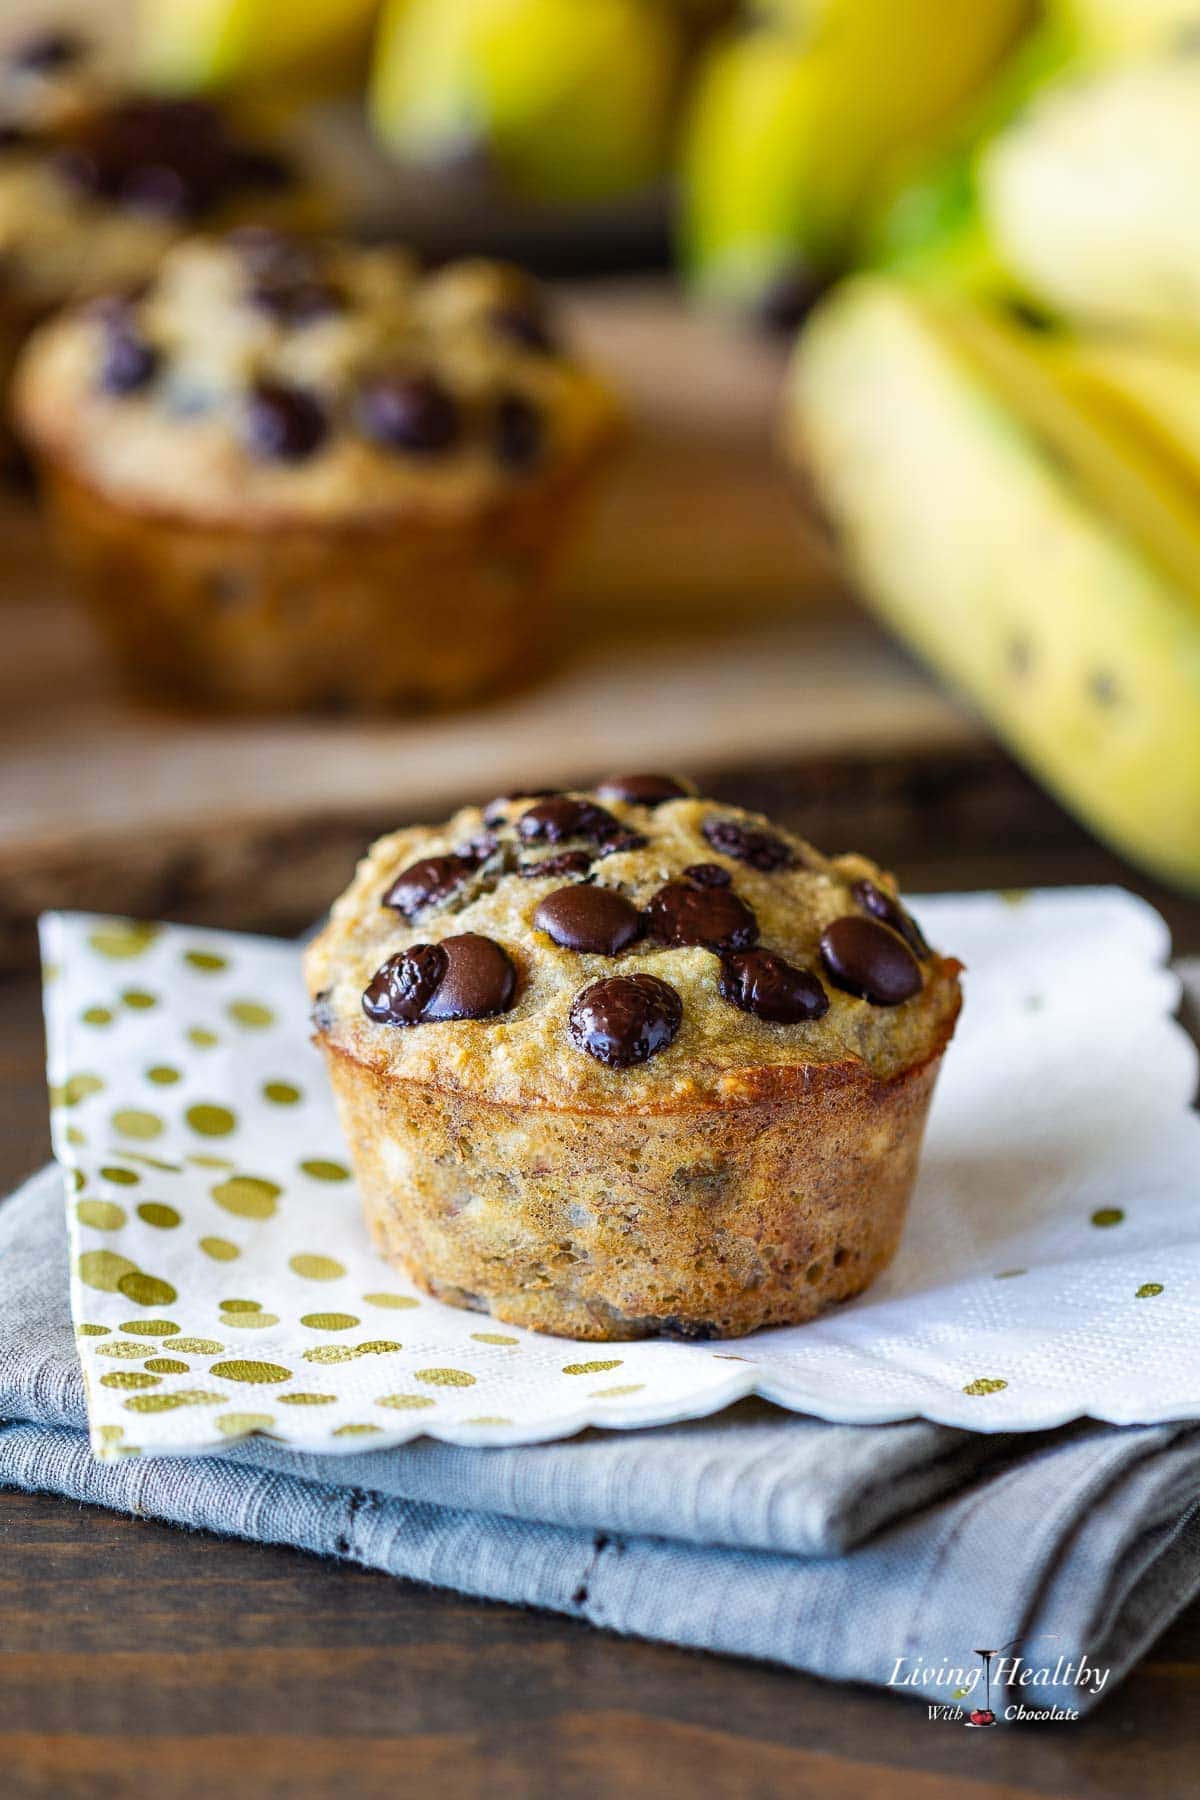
(703, 626)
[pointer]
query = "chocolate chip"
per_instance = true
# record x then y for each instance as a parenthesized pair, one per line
(882, 905)
(480, 979)
(682, 914)
(299, 302)
(625, 1019)
(159, 188)
(284, 424)
(688, 1331)
(769, 987)
(524, 322)
(127, 361)
(624, 840)
(409, 412)
(566, 862)
(464, 977)
(45, 51)
(589, 919)
(555, 820)
(427, 882)
(496, 811)
(761, 849)
(642, 790)
(869, 960)
(707, 875)
(518, 433)
(172, 156)
(401, 989)
(265, 170)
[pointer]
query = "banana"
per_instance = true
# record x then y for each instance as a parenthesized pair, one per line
(190, 45)
(923, 218)
(1090, 199)
(1117, 30)
(792, 118)
(1149, 389)
(567, 101)
(1024, 543)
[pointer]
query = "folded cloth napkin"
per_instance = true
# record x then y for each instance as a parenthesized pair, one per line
(882, 1554)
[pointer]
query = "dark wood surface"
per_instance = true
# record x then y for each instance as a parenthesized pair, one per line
(136, 1659)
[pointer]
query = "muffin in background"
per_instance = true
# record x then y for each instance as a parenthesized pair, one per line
(300, 475)
(96, 181)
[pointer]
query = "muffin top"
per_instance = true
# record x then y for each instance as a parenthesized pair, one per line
(96, 180)
(261, 376)
(633, 948)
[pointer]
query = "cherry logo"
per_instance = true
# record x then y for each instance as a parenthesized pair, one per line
(983, 1715)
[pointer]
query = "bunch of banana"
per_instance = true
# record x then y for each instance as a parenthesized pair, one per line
(1024, 509)
(1090, 198)
(566, 100)
(1023, 503)
(794, 117)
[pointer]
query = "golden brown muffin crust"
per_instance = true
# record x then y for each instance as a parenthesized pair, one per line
(721, 1056)
(459, 366)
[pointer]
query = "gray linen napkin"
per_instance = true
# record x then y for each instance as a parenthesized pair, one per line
(882, 1554)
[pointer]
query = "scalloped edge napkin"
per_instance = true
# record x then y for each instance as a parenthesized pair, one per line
(223, 1282)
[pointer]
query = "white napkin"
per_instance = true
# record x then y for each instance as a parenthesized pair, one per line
(223, 1282)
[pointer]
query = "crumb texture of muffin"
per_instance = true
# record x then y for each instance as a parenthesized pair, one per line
(296, 473)
(628, 1061)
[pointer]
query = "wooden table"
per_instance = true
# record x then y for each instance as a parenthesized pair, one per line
(135, 1658)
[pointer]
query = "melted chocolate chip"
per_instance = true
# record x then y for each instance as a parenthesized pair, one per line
(297, 302)
(427, 882)
(885, 906)
(682, 914)
(625, 1019)
(173, 157)
(769, 987)
(518, 433)
(127, 361)
(496, 811)
(480, 979)
(624, 840)
(566, 862)
(589, 919)
(869, 960)
(524, 322)
(555, 820)
(401, 989)
(284, 424)
(45, 51)
(760, 849)
(707, 875)
(409, 412)
(464, 977)
(642, 790)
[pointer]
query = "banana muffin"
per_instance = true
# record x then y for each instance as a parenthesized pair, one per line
(297, 474)
(96, 181)
(629, 1061)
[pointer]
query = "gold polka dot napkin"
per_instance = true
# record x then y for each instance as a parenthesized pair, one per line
(223, 1282)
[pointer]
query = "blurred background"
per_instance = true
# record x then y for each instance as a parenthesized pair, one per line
(901, 299)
